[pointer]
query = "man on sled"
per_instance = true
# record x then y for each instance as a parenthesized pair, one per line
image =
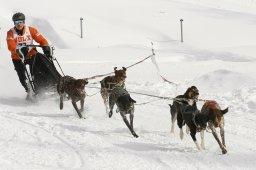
(43, 73)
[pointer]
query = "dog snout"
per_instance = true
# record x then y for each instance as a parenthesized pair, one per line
(86, 81)
(123, 77)
(82, 89)
(195, 96)
(204, 126)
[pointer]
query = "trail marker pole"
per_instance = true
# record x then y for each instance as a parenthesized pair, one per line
(0, 38)
(81, 26)
(181, 30)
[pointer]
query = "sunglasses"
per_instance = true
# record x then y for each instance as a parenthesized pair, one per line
(19, 22)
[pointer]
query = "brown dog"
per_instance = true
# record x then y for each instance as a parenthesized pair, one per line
(109, 82)
(74, 88)
(125, 105)
(215, 119)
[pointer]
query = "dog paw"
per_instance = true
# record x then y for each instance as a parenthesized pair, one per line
(107, 110)
(202, 147)
(187, 130)
(110, 114)
(224, 151)
(61, 105)
(197, 146)
(135, 135)
(172, 129)
(117, 110)
(181, 135)
(82, 117)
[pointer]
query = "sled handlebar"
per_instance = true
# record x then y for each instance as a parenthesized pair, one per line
(52, 48)
(35, 45)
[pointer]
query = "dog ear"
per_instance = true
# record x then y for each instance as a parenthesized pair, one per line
(86, 80)
(115, 68)
(124, 68)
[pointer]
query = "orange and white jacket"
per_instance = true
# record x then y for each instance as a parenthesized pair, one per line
(28, 35)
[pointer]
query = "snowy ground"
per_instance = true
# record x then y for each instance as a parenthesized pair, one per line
(218, 56)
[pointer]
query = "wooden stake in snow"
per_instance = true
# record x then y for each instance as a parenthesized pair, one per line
(181, 30)
(0, 39)
(81, 26)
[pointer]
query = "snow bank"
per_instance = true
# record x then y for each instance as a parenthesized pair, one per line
(221, 81)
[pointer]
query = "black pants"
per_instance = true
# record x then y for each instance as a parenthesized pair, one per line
(20, 69)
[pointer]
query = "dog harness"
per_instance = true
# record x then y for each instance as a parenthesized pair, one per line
(198, 128)
(210, 105)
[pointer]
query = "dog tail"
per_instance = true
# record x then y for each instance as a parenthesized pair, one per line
(132, 99)
(102, 83)
(224, 111)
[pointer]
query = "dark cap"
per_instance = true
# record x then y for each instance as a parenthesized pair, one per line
(18, 16)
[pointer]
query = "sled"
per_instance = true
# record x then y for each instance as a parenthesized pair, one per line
(43, 76)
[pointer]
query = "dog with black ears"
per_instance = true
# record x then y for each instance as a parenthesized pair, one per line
(188, 98)
(125, 105)
(109, 82)
(196, 122)
(74, 88)
(184, 110)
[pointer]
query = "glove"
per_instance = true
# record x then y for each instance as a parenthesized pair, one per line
(22, 52)
(47, 51)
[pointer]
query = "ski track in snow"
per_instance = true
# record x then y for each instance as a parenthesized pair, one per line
(35, 128)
